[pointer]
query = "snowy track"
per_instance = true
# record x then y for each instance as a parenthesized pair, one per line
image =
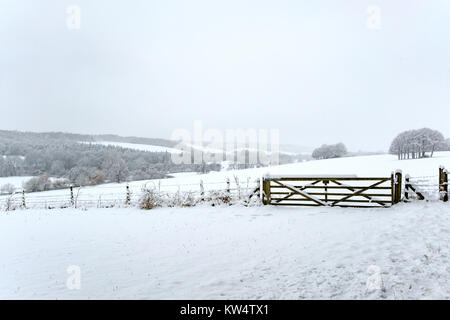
(227, 252)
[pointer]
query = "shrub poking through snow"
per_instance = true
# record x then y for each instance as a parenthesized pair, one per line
(10, 204)
(149, 199)
(252, 201)
(181, 199)
(218, 197)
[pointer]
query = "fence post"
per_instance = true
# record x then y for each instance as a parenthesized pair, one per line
(23, 198)
(398, 186)
(72, 200)
(202, 191)
(266, 191)
(443, 184)
(238, 186)
(406, 187)
(258, 187)
(228, 185)
(128, 198)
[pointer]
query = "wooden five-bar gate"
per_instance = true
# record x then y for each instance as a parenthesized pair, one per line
(333, 191)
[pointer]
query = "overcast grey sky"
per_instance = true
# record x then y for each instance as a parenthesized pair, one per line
(313, 69)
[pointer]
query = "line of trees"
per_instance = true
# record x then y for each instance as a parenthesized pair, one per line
(326, 151)
(415, 144)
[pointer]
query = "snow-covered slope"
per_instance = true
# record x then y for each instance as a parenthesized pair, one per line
(15, 181)
(228, 253)
(153, 148)
(136, 146)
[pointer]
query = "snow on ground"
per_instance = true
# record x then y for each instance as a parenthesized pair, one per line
(183, 174)
(232, 252)
(15, 181)
(227, 253)
(136, 146)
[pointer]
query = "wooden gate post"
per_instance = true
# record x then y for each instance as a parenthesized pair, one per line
(392, 187)
(266, 191)
(398, 186)
(443, 184)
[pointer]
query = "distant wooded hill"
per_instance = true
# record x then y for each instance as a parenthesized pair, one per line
(74, 137)
(59, 154)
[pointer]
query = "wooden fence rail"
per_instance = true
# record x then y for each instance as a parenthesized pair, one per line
(337, 191)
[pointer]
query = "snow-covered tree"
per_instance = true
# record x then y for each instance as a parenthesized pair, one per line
(36, 184)
(330, 151)
(79, 176)
(413, 144)
(8, 167)
(116, 168)
(7, 188)
(446, 145)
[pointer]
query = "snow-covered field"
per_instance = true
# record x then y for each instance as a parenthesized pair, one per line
(228, 253)
(15, 181)
(232, 251)
(136, 146)
(153, 148)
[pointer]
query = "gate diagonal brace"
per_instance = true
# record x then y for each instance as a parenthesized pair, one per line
(357, 193)
(293, 193)
(362, 195)
(304, 194)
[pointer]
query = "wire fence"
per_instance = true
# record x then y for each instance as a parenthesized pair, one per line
(431, 188)
(427, 186)
(122, 195)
